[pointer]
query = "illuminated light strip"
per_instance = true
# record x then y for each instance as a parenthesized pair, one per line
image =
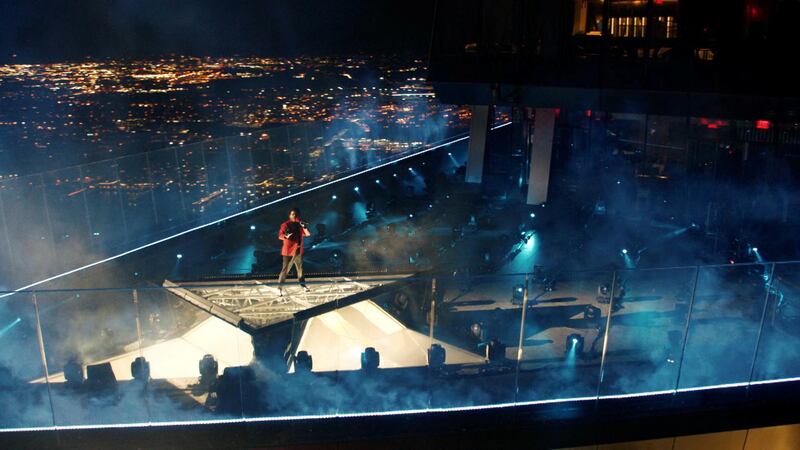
(717, 386)
(637, 394)
(247, 211)
(777, 380)
(380, 414)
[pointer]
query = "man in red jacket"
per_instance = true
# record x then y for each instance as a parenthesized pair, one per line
(292, 233)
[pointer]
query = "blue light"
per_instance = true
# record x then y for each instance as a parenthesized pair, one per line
(179, 255)
(333, 197)
(377, 181)
(410, 216)
(624, 251)
(356, 189)
(755, 249)
(449, 154)
(96, 233)
(6, 328)
(533, 215)
(394, 175)
(252, 227)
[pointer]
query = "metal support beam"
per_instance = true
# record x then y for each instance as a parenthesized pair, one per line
(478, 129)
(541, 152)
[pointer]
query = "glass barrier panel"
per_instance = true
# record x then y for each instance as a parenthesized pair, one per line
(197, 359)
(298, 148)
(28, 224)
(647, 330)
(220, 197)
(104, 200)
(243, 171)
(138, 202)
(25, 394)
(92, 345)
(8, 257)
(311, 384)
(69, 216)
(280, 177)
(477, 324)
(723, 327)
(319, 164)
(563, 335)
(168, 196)
(193, 178)
(778, 354)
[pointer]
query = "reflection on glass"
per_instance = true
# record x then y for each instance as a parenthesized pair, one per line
(724, 325)
(779, 345)
(646, 335)
(563, 338)
(588, 18)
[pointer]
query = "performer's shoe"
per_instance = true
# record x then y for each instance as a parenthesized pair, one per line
(280, 291)
(306, 289)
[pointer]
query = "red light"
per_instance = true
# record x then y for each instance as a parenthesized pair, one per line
(558, 112)
(589, 113)
(703, 121)
(713, 126)
(762, 124)
(659, 2)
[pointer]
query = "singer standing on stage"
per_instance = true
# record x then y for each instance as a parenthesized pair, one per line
(292, 233)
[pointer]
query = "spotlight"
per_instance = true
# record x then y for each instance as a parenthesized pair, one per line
(356, 189)
(333, 197)
(410, 169)
(624, 251)
(574, 344)
(476, 329)
(303, 362)
(591, 312)
(179, 255)
(533, 215)
(755, 249)
(140, 369)
(394, 175)
(337, 259)
(436, 356)
(593, 315)
(518, 294)
(377, 181)
(449, 154)
(370, 359)
(411, 216)
(209, 369)
(252, 227)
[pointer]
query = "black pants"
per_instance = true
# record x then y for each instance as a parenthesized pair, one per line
(297, 260)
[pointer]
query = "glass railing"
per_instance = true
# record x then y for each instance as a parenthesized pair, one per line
(217, 350)
(60, 220)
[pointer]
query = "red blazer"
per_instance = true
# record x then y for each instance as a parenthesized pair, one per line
(293, 245)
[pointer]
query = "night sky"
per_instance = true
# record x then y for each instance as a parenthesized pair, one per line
(54, 30)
